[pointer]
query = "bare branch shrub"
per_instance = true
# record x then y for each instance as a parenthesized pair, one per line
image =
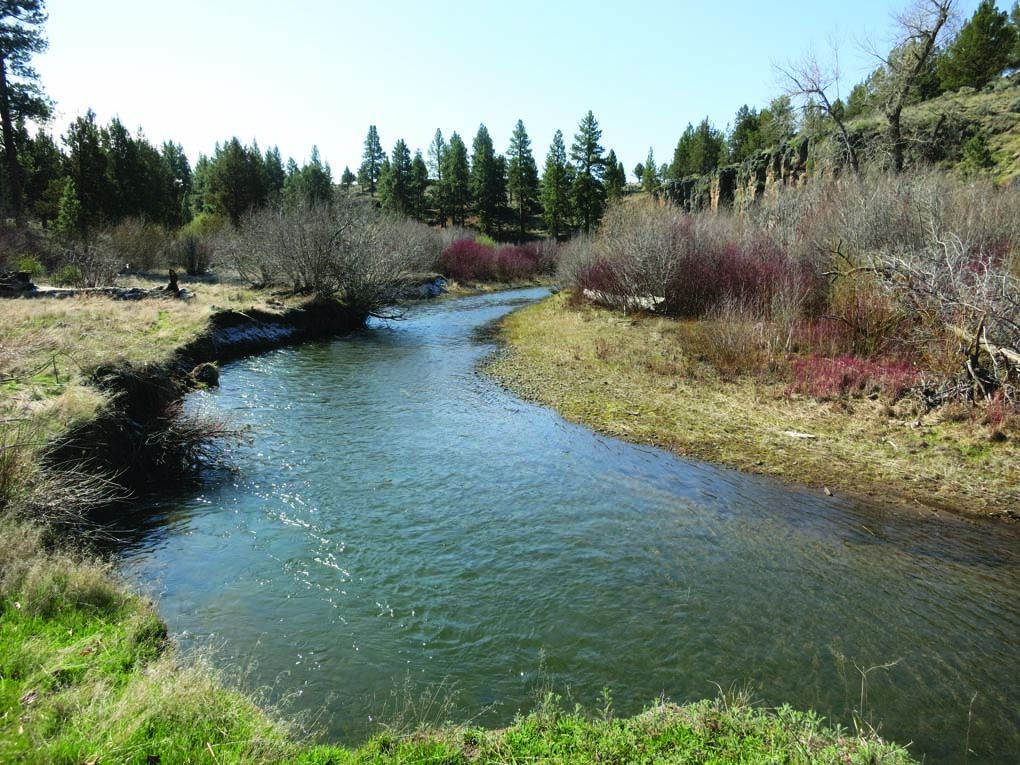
(187, 439)
(194, 252)
(346, 249)
(90, 263)
(60, 495)
(916, 261)
(137, 245)
(918, 269)
(811, 82)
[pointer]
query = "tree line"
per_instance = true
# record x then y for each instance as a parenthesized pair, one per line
(101, 174)
(503, 192)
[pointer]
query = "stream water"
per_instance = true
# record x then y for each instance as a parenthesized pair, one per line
(401, 539)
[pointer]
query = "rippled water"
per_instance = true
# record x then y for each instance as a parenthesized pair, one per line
(398, 520)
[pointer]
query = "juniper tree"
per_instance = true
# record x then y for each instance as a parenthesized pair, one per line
(236, 181)
(745, 137)
(650, 175)
(589, 190)
(347, 178)
(698, 151)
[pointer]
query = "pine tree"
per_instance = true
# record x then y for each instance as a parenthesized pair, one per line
(455, 188)
(615, 177)
(275, 174)
(556, 188)
(485, 180)
(589, 191)
(650, 176)
(70, 220)
(981, 51)
(396, 192)
(437, 151)
(437, 157)
(419, 183)
(639, 170)
(347, 178)
(42, 168)
(181, 183)
(372, 160)
(310, 184)
(86, 169)
(522, 174)
(21, 98)
(1014, 21)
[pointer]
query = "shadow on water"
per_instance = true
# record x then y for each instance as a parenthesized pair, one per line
(398, 521)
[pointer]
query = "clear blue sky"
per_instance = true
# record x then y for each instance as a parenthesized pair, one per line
(317, 72)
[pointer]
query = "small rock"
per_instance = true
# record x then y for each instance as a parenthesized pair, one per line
(206, 374)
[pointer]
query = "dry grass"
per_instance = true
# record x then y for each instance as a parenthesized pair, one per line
(635, 378)
(48, 348)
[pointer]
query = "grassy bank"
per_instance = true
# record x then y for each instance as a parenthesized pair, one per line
(89, 675)
(49, 348)
(643, 379)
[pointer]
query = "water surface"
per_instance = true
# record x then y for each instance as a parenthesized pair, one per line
(398, 520)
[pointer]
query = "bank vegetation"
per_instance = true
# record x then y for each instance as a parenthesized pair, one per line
(853, 333)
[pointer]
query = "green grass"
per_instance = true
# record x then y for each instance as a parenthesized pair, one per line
(87, 675)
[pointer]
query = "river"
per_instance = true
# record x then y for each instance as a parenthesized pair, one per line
(399, 529)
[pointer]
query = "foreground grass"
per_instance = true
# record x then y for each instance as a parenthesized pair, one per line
(639, 378)
(87, 676)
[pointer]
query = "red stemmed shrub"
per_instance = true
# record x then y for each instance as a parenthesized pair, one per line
(468, 260)
(825, 378)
